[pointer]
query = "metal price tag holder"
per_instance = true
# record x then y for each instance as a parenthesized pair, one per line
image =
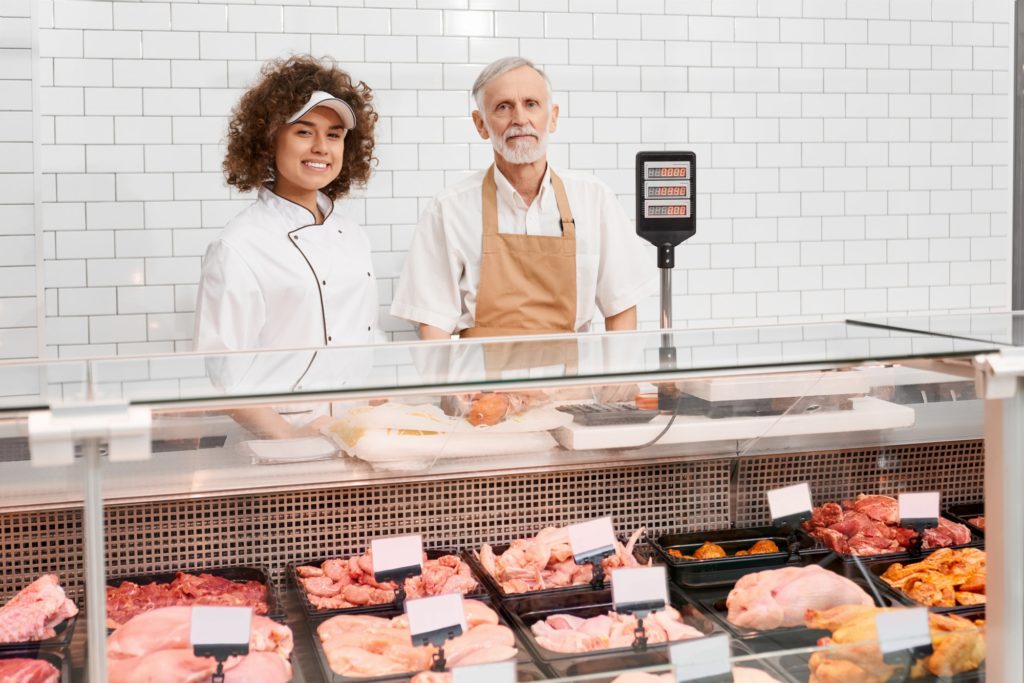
(704, 660)
(919, 511)
(904, 635)
(492, 672)
(220, 632)
(591, 542)
(397, 558)
(789, 507)
(435, 621)
(639, 591)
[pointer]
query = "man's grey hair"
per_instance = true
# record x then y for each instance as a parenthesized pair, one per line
(503, 66)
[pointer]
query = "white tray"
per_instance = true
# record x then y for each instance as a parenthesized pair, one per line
(867, 414)
(751, 387)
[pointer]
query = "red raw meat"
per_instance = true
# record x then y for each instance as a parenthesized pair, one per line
(883, 509)
(129, 599)
(18, 670)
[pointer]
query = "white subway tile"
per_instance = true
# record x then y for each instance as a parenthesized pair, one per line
(944, 57)
(168, 102)
(190, 17)
(443, 49)
(987, 201)
(888, 130)
(709, 281)
(991, 11)
(866, 300)
(801, 30)
(585, 51)
(255, 18)
(972, 34)
(687, 53)
(165, 326)
(584, 156)
(364, 21)
(634, 26)
(688, 104)
(867, 56)
(61, 101)
(83, 14)
(17, 189)
(460, 77)
(75, 187)
(343, 48)
(149, 73)
(910, 106)
(888, 178)
(230, 46)
(930, 130)
(772, 155)
(114, 158)
(757, 130)
(776, 254)
(974, 177)
(801, 80)
(843, 277)
(568, 25)
(85, 72)
(800, 278)
(18, 64)
(990, 58)
(187, 214)
(16, 157)
(197, 129)
(468, 23)
(61, 216)
(821, 203)
(931, 33)
(19, 343)
(198, 186)
(969, 273)
(116, 271)
(114, 215)
(18, 281)
(972, 82)
(778, 303)
(64, 274)
(864, 251)
(539, 50)
(131, 300)
(280, 45)
(988, 106)
(141, 243)
(756, 80)
(824, 56)
(710, 130)
(192, 242)
(756, 30)
(928, 226)
(711, 79)
(895, 33)
(443, 103)
(714, 29)
(443, 157)
(908, 202)
(214, 101)
(732, 256)
(416, 77)
(734, 54)
(144, 186)
(846, 80)
(888, 80)
(391, 49)
(519, 24)
(733, 205)
(846, 31)
(171, 44)
(114, 44)
(886, 275)
(61, 43)
(310, 20)
(780, 105)
(618, 78)
(733, 305)
(113, 101)
(185, 298)
(174, 270)
(388, 211)
(910, 57)
(142, 129)
(906, 154)
(996, 297)
(142, 16)
(86, 244)
(951, 154)
(850, 179)
(17, 250)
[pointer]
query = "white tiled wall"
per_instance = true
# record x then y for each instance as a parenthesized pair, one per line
(853, 156)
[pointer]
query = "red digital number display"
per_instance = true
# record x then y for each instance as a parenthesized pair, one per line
(667, 191)
(668, 172)
(674, 210)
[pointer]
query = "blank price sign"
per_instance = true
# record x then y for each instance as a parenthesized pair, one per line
(494, 672)
(639, 589)
(435, 620)
(397, 555)
(919, 508)
(593, 538)
(903, 629)
(220, 630)
(701, 658)
(790, 502)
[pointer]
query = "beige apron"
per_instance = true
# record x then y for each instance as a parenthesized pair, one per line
(527, 286)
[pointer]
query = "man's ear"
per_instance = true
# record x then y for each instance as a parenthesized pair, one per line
(478, 121)
(553, 124)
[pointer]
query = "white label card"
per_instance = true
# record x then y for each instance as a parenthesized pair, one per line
(396, 552)
(919, 505)
(436, 614)
(493, 672)
(640, 586)
(587, 538)
(903, 629)
(701, 657)
(790, 500)
(220, 626)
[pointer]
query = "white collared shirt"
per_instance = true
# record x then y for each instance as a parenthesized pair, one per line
(439, 282)
(275, 279)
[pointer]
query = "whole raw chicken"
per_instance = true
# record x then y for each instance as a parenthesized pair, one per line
(781, 597)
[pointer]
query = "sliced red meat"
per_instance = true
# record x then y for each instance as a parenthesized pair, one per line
(883, 509)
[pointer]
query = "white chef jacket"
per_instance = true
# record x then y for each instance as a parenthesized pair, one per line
(441, 275)
(274, 279)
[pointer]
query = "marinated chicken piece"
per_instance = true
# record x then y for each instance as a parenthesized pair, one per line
(709, 551)
(781, 597)
(488, 409)
(946, 578)
(763, 546)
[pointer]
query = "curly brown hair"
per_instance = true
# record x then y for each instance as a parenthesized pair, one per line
(284, 86)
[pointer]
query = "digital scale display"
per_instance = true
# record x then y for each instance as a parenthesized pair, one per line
(661, 189)
(666, 209)
(666, 201)
(656, 170)
(666, 189)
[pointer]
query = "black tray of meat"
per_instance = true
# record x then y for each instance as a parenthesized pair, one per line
(24, 618)
(358, 642)
(937, 667)
(550, 626)
(946, 580)
(549, 558)
(219, 586)
(318, 575)
(715, 554)
(768, 607)
(971, 515)
(34, 664)
(866, 528)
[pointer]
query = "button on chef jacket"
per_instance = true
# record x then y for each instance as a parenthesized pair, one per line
(614, 268)
(276, 279)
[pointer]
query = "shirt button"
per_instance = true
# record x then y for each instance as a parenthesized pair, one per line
(295, 237)
(330, 339)
(339, 232)
(323, 282)
(367, 328)
(368, 274)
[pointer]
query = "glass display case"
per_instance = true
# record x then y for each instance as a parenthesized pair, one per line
(210, 479)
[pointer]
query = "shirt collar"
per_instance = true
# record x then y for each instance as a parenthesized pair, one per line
(293, 215)
(511, 196)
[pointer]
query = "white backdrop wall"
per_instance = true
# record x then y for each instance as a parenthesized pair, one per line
(853, 156)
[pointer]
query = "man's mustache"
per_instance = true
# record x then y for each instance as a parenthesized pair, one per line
(516, 131)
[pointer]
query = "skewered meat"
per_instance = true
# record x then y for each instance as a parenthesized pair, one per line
(946, 578)
(546, 561)
(958, 646)
(19, 670)
(340, 584)
(33, 613)
(155, 647)
(361, 646)
(780, 597)
(867, 526)
(740, 674)
(568, 633)
(129, 598)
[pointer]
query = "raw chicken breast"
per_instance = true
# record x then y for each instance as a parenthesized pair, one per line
(781, 597)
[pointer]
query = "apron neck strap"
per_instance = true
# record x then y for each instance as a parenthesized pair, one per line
(489, 194)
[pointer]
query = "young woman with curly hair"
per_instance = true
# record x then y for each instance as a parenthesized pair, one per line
(289, 271)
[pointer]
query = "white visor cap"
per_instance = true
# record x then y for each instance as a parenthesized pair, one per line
(319, 98)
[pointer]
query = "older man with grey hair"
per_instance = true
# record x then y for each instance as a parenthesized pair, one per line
(520, 249)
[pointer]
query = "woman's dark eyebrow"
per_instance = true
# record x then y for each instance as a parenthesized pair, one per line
(304, 122)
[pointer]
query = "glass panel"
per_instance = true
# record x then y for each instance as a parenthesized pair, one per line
(1005, 328)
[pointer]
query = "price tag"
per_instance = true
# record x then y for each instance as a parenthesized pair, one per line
(434, 620)
(494, 672)
(903, 629)
(397, 557)
(220, 632)
(592, 540)
(790, 504)
(702, 658)
(639, 590)
(919, 510)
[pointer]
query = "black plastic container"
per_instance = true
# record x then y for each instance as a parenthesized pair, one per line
(62, 638)
(524, 612)
(640, 551)
(238, 574)
(876, 569)
(965, 513)
(58, 658)
(390, 612)
(725, 570)
(312, 610)
(822, 549)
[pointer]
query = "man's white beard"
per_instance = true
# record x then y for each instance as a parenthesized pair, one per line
(522, 151)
